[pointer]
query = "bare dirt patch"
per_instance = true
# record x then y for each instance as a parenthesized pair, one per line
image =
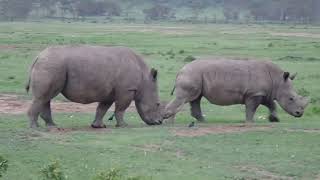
(307, 35)
(260, 173)
(67, 130)
(12, 104)
(221, 129)
(6, 47)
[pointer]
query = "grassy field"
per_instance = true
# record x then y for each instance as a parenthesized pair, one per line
(219, 149)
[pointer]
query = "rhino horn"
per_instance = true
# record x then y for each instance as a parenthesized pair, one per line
(292, 77)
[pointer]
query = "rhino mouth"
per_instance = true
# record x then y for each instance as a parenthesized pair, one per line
(151, 123)
(297, 114)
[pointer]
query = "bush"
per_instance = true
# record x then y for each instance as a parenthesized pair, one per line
(52, 171)
(3, 166)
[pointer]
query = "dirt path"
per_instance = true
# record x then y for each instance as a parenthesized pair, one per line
(12, 104)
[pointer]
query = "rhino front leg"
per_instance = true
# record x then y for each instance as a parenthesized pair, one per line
(121, 104)
(196, 109)
(252, 104)
(100, 112)
(46, 115)
(273, 117)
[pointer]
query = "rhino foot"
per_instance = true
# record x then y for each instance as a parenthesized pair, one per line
(273, 119)
(98, 126)
(201, 120)
(51, 125)
(121, 125)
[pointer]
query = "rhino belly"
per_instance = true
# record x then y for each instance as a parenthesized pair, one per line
(224, 96)
(88, 89)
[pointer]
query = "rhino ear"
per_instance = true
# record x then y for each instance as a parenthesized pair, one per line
(292, 77)
(286, 75)
(154, 74)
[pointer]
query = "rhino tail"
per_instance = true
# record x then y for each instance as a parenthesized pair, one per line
(27, 87)
(174, 88)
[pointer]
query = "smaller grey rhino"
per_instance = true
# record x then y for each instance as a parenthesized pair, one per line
(87, 74)
(228, 82)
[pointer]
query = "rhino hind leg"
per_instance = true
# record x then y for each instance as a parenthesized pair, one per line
(46, 115)
(100, 112)
(196, 109)
(252, 104)
(33, 112)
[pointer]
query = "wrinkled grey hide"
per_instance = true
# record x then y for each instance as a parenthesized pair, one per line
(228, 82)
(87, 74)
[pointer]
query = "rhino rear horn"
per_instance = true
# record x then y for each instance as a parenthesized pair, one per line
(154, 73)
(292, 77)
(286, 75)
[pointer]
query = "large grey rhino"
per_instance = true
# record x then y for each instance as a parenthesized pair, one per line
(87, 74)
(228, 82)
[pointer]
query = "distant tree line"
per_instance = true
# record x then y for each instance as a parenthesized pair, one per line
(304, 11)
(20, 9)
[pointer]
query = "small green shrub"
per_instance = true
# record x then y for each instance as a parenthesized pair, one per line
(52, 171)
(116, 174)
(171, 52)
(316, 110)
(181, 51)
(189, 59)
(112, 174)
(3, 166)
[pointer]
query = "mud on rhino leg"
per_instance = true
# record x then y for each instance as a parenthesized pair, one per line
(34, 110)
(273, 116)
(196, 109)
(46, 114)
(121, 104)
(252, 104)
(100, 112)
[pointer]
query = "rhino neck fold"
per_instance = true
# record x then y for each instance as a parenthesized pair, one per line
(273, 93)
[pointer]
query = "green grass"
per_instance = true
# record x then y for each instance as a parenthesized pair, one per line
(291, 148)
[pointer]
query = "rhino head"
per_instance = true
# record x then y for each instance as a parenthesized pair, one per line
(288, 98)
(148, 103)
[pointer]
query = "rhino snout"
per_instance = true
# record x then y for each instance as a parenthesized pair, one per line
(157, 122)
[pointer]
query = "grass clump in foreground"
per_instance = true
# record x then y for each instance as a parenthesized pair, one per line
(3, 166)
(117, 174)
(52, 171)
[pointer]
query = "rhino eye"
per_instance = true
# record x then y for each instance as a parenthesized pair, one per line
(291, 99)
